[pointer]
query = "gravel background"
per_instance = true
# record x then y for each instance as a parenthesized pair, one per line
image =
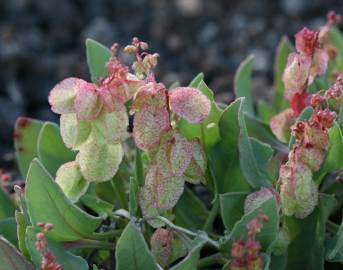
(42, 42)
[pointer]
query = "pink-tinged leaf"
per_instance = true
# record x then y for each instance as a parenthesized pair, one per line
(313, 157)
(99, 162)
(74, 132)
(150, 94)
(70, 179)
(281, 124)
(174, 156)
(189, 103)
(62, 96)
(161, 192)
(111, 127)
(319, 65)
(256, 199)
(296, 74)
(88, 103)
(196, 170)
(149, 125)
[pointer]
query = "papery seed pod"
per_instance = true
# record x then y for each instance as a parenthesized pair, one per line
(148, 126)
(113, 97)
(174, 156)
(281, 124)
(111, 127)
(296, 74)
(166, 247)
(99, 162)
(315, 135)
(71, 181)
(298, 192)
(320, 61)
(163, 192)
(189, 103)
(74, 132)
(62, 96)
(313, 157)
(255, 264)
(255, 199)
(150, 94)
(196, 170)
(300, 101)
(88, 103)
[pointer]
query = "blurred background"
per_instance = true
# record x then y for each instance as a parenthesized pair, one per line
(42, 42)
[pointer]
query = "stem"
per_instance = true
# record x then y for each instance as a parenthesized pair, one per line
(212, 216)
(107, 235)
(86, 243)
(216, 258)
(332, 227)
(120, 192)
(139, 168)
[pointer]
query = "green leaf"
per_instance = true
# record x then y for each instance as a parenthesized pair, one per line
(208, 130)
(70, 222)
(101, 207)
(283, 50)
(269, 231)
(8, 229)
(334, 153)
(22, 223)
(336, 39)
(243, 84)
(306, 250)
(66, 259)
(26, 133)
(51, 149)
(10, 258)
(264, 111)
(305, 115)
(197, 79)
(132, 252)
(191, 260)
(97, 57)
(232, 208)
(224, 156)
(337, 244)
(7, 207)
(190, 211)
(253, 155)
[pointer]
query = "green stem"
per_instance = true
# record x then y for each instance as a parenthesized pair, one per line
(120, 192)
(107, 235)
(139, 168)
(86, 243)
(216, 258)
(333, 227)
(212, 216)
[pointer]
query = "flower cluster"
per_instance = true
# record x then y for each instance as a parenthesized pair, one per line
(299, 194)
(49, 261)
(311, 60)
(94, 121)
(246, 254)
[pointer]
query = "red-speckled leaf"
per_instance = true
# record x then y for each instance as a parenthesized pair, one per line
(189, 103)
(148, 126)
(74, 132)
(112, 127)
(88, 103)
(151, 94)
(62, 96)
(99, 162)
(25, 142)
(195, 172)
(174, 156)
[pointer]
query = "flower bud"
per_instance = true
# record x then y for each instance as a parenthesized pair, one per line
(281, 124)
(70, 180)
(296, 74)
(189, 103)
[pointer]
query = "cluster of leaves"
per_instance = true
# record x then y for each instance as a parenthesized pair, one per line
(104, 192)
